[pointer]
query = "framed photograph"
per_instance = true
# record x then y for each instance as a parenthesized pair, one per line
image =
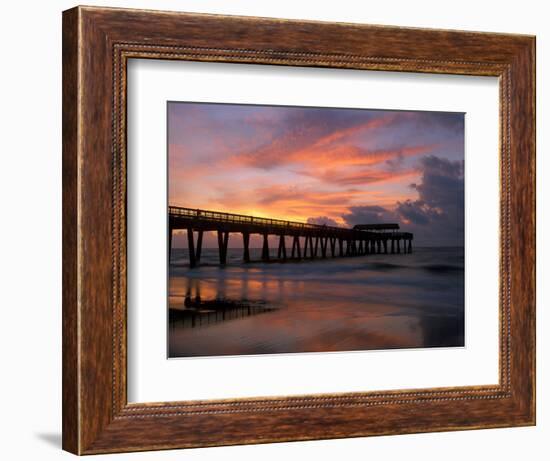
(308, 193)
(280, 230)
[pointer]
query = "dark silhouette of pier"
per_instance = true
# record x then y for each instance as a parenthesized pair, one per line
(309, 241)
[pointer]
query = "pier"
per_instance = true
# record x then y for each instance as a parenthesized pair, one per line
(309, 241)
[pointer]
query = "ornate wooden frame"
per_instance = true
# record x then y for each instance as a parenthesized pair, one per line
(97, 43)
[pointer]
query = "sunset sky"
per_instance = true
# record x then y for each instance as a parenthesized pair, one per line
(327, 165)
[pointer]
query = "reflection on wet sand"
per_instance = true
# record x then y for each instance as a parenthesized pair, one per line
(344, 305)
(196, 312)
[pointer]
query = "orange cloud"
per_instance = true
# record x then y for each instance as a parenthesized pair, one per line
(326, 152)
(304, 144)
(347, 132)
(365, 176)
(349, 155)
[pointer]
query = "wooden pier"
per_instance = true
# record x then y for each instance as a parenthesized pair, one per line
(309, 241)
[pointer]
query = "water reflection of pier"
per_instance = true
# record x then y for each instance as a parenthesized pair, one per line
(309, 241)
(197, 312)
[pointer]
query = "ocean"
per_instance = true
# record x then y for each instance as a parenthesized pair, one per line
(379, 301)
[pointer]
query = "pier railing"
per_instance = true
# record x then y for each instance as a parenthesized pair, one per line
(220, 216)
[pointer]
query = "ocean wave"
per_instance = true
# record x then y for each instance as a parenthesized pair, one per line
(385, 266)
(441, 268)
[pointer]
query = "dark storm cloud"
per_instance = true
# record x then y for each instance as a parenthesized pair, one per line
(368, 214)
(440, 203)
(415, 212)
(442, 182)
(437, 216)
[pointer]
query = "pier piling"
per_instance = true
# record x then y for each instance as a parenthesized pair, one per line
(246, 243)
(223, 238)
(265, 249)
(191, 248)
